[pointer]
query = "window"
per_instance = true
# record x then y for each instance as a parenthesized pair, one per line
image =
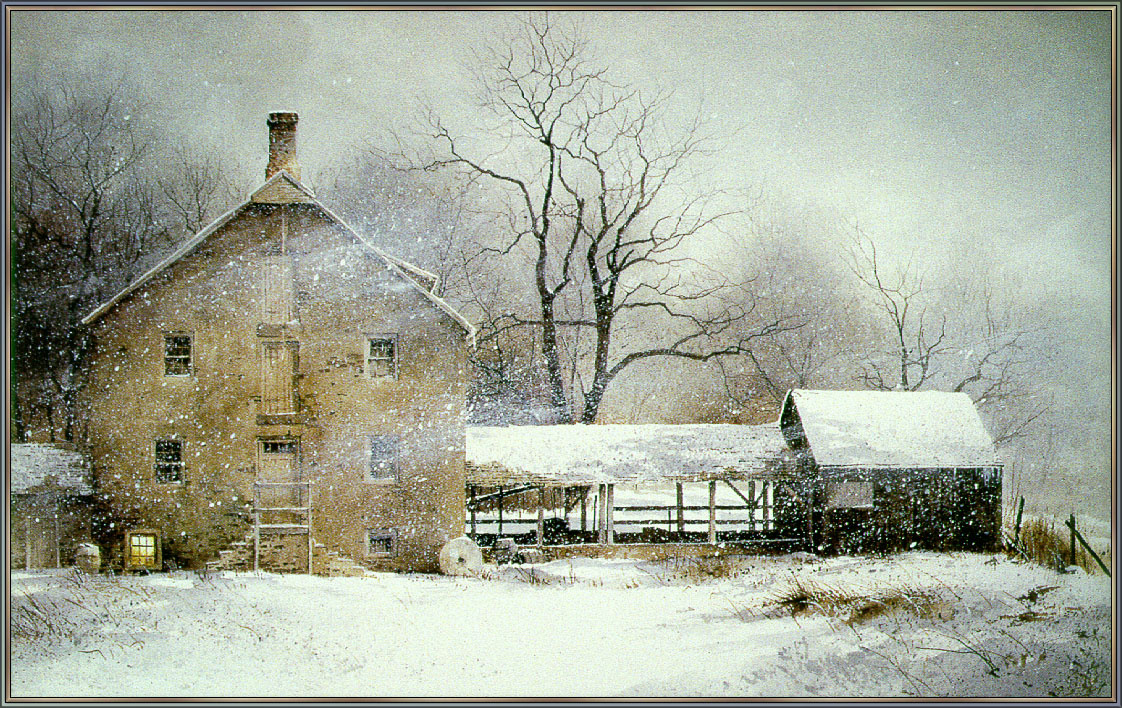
(278, 366)
(177, 354)
(142, 550)
(383, 457)
(279, 447)
(169, 461)
(854, 494)
(381, 356)
(380, 542)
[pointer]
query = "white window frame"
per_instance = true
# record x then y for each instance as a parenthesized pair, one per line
(369, 359)
(156, 462)
(394, 459)
(190, 357)
(387, 534)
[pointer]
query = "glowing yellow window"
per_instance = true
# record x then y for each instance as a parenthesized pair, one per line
(142, 550)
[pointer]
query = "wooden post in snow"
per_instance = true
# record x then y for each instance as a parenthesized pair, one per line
(681, 512)
(541, 516)
(712, 512)
(610, 515)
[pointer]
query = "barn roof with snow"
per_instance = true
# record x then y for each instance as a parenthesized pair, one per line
(35, 467)
(888, 429)
(593, 454)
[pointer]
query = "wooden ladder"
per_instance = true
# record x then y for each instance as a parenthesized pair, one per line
(304, 489)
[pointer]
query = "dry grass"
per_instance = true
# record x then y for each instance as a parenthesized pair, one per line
(804, 597)
(1044, 543)
(699, 569)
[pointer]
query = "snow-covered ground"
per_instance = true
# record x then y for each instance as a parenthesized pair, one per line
(916, 624)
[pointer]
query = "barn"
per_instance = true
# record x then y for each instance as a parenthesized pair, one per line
(892, 470)
(839, 472)
(613, 485)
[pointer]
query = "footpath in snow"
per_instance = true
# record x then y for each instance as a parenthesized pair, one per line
(918, 624)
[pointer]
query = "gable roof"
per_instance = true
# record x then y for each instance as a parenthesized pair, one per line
(36, 466)
(909, 429)
(293, 191)
(589, 454)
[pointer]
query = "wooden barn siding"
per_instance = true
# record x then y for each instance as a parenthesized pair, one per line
(939, 509)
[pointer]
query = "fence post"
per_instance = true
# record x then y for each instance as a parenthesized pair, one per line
(1017, 526)
(1071, 525)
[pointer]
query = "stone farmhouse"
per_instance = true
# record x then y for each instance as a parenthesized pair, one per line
(282, 391)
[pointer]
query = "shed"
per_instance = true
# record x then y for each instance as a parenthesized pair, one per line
(50, 504)
(537, 467)
(889, 470)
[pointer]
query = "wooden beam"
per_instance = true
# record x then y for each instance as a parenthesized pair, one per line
(681, 514)
(584, 508)
(752, 493)
(712, 511)
(500, 532)
(602, 513)
(471, 509)
(541, 516)
(769, 509)
(611, 525)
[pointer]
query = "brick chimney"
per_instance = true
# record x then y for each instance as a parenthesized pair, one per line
(282, 144)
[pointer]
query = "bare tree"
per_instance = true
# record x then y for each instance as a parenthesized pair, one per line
(792, 272)
(984, 344)
(589, 199)
(87, 214)
(900, 297)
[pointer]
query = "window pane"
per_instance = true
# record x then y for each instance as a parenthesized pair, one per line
(177, 355)
(383, 456)
(379, 541)
(380, 358)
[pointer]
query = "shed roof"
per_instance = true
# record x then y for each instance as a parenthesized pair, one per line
(35, 466)
(421, 280)
(556, 455)
(898, 429)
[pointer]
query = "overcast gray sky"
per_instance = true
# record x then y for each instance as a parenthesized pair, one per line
(947, 133)
(935, 128)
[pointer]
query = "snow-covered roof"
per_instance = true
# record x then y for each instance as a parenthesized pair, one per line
(592, 454)
(35, 465)
(911, 429)
(414, 275)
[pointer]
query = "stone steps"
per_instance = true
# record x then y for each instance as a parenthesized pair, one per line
(275, 557)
